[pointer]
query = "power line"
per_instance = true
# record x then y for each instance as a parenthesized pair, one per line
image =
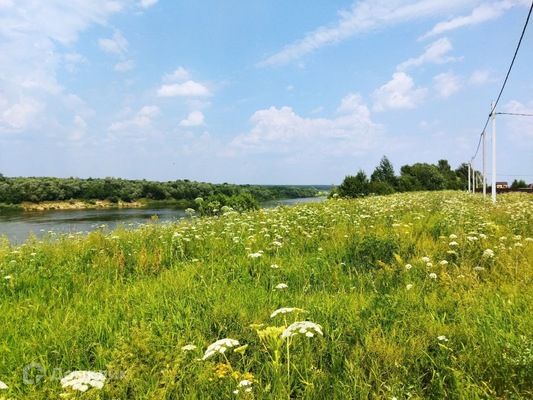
(505, 80)
(517, 114)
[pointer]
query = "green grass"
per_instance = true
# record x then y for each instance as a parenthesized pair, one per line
(126, 302)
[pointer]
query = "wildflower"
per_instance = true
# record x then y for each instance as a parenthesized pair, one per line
(7, 277)
(285, 310)
(453, 236)
(429, 265)
(83, 380)
(433, 275)
(488, 253)
(409, 286)
(443, 262)
(281, 286)
(3, 386)
(220, 346)
(188, 347)
(274, 266)
(453, 244)
(479, 268)
(255, 255)
(408, 267)
(426, 259)
(306, 328)
(442, 338)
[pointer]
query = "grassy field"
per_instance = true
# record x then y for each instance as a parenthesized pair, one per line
(424, 295)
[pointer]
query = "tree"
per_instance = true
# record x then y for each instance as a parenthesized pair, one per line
(384, 172)
(426, 176)
(518, 184)
(354, 186)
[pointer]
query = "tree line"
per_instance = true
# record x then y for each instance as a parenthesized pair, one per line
(419, 176)
(15, 190)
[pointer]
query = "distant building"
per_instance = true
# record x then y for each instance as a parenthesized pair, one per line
(502, 185)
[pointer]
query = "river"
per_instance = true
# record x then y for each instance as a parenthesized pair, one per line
(17, 226)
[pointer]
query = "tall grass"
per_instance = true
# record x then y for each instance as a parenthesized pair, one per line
(457, 324)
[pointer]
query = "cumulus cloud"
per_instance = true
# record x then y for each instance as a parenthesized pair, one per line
(435, 53)
(142, 119)
(447, 84)
(399, 92)
(115, 45)
(34, 34)
(282, 130)
(186, 89)
(195, 118)
(362, 17)
(179, 74)
(482, 13)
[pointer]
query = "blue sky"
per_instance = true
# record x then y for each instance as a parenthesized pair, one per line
(258, 91)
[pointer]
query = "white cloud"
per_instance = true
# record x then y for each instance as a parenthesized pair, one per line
(435, 53)
(399, 92)
(143, 119)
(520, 127)
(447, 84)
(479, 77)
(281, 130)
(195, 118)
(179, 74)
(19, 116)
(32, 34)
(147, 3)
(363, 16)
(124, 66)
(186, 89)
(80, 129)
(115, 45)
(482, 13)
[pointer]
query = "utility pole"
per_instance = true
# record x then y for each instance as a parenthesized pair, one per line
(468, 177)
(484, 169)
(493, 153)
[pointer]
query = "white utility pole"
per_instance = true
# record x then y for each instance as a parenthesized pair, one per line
(493, 154)
(484, 169)
(468, 177)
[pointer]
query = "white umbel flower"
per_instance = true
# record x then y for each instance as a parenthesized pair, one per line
(281, 286)
(285, 310)
(306, 328)
(83, 380)
(220, 346)
(3, 386)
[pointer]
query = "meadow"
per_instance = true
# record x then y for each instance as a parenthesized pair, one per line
(408, 296)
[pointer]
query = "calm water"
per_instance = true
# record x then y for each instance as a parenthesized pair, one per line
(17, 226)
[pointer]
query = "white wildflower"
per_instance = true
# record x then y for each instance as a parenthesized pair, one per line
(255, 255)
(8, 277)
(453, 244)
(408, 267)
(3, 386)
(433, 275)
(443, 262)
(83, 380)
(306, 328)
(426, 259)
(442, 338)
(453, 236)
(188, 347)
(274, 266)
(409, 286)
(281, 286)
(220, 346)
(285, 310)
(488, 253)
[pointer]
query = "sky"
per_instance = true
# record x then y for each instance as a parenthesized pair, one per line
(264, 92)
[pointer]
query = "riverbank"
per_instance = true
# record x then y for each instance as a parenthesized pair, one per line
(95, 204)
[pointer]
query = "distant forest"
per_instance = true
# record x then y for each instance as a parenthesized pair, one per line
(39, 189)
(419, 176)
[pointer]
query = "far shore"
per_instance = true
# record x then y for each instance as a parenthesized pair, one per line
(94, 204)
